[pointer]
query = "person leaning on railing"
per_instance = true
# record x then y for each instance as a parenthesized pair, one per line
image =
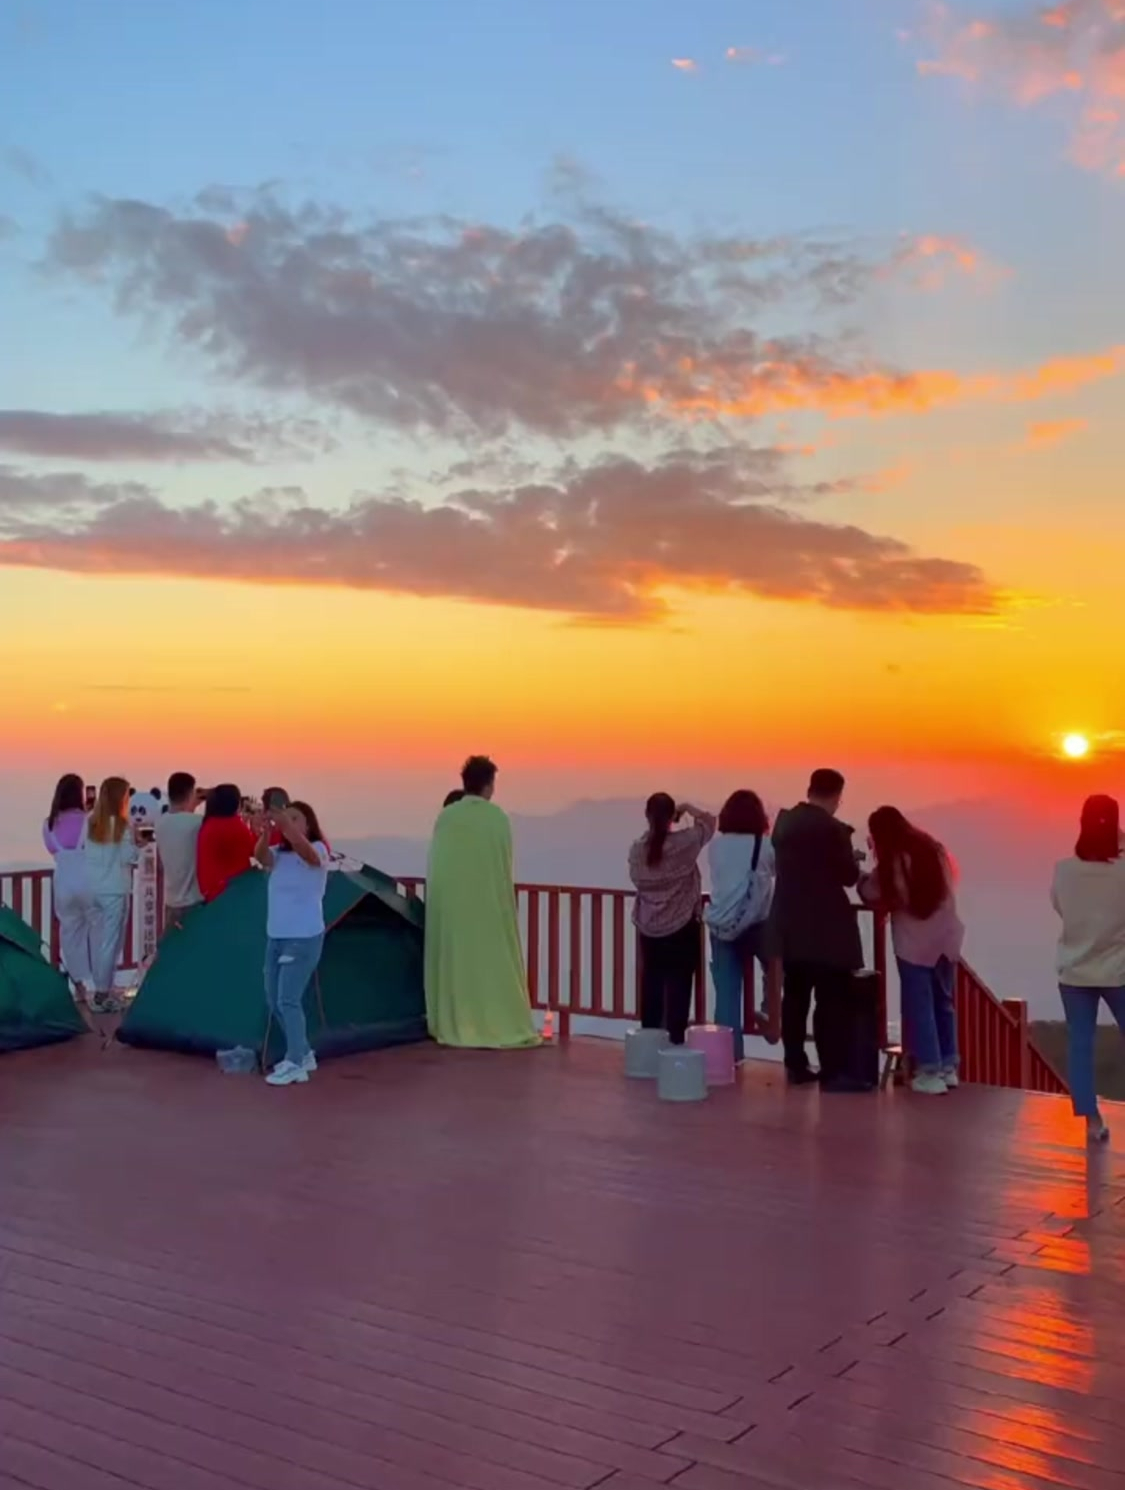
(1088, 893)
(913, 881)
(664, 867)
(741, 864)
(226, 841)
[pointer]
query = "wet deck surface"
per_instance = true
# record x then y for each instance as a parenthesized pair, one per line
(511, 1272)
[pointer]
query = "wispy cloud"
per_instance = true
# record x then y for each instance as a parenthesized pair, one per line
(753, 57)
(583, 324)
(685, 64)
(1044, 433)
(930, 260)
(1072, 50)
(156, 437)
(601, 543)
(18, 162)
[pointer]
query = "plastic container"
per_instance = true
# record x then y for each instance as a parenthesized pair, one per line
(237, 1062)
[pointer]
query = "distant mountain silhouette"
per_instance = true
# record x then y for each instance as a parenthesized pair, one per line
(1005, 853)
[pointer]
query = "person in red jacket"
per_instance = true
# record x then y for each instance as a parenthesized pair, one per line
(226, 842)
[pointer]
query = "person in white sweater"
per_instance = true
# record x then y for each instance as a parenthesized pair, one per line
(111, 852)
(741, 864)
(1088, 893)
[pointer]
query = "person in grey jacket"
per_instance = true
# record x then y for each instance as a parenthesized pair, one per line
(814, 927)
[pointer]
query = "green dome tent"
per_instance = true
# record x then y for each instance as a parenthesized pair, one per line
(36, 1007)
(204, 990)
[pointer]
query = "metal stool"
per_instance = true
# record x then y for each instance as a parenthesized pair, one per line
(892, 1067)
(716, 1042)
(642, 1049)
(681, 1075)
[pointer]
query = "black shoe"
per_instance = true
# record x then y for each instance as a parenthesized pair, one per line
(846, 1084)
(801, 1075)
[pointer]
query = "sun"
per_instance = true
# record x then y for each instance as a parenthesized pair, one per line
(1075, 747)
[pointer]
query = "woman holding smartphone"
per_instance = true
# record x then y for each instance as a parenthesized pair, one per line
(298, 878)
(226, 841)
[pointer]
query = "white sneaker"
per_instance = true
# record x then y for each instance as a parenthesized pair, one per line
(308, 1064)
(286, 1074)
(929, 1084)
(951, 1078)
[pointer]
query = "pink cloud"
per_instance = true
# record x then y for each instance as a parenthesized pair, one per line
(601, 543)
(1075, 49)
(685, 64)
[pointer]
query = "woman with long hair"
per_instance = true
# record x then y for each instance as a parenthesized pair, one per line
(64, 838)
(1088, 893)
(664, 867)
(111, 852)
(298, 876)
(741, 863)
(226, 841)
(913, 881)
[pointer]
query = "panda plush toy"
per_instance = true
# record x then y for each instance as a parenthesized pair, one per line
(144, 809)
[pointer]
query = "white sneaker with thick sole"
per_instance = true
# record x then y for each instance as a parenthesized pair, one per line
(308, 1064)
(951, 1079)
(929, 1084)
(286, 1074)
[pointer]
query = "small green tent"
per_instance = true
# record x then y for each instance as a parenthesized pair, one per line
(204, 991)
(36, 1007)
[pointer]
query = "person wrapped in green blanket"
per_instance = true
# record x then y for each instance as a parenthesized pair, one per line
(476, 982)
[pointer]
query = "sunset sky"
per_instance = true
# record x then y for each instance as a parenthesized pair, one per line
(645, 393)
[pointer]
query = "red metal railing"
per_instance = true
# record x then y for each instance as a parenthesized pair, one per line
(996, 1045)
(583, 964)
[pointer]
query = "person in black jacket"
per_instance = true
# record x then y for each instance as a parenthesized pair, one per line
(814, 926)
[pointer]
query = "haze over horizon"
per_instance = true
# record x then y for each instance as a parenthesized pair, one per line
(652, 397)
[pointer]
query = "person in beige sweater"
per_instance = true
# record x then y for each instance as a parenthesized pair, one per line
(1088, 893)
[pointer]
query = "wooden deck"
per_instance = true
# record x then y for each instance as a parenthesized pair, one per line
(513, 1272)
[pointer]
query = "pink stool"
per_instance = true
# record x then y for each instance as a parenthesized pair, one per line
(716, 1042)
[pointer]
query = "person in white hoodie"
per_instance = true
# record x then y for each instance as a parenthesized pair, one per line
(111, 852)
(741, 863)
(1088, 894)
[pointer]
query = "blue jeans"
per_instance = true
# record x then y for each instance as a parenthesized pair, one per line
(1081, 1008)
(929, 1023)
(732, 971)
(290, 964)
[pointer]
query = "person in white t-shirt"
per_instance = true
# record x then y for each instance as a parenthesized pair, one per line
(177, 838)
(298, 878)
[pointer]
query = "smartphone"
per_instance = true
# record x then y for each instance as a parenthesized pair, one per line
(91, 798)
(246, 806)
(276, 799)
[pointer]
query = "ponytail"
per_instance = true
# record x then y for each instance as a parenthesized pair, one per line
(660, 810)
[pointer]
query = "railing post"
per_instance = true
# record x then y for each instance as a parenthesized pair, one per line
(1017, 1009)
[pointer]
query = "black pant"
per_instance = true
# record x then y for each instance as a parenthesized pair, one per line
(668, 967)
(832, 986)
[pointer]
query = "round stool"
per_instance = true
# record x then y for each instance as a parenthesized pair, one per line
(681, 1075)
(642, 1047)
(716, 1042)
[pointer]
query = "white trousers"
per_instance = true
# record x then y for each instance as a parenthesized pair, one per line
(107, 938)
(74, 908)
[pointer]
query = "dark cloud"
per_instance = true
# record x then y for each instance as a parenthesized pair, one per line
(31, 495)
(576, 325)
(601, 543)
(155, 437)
